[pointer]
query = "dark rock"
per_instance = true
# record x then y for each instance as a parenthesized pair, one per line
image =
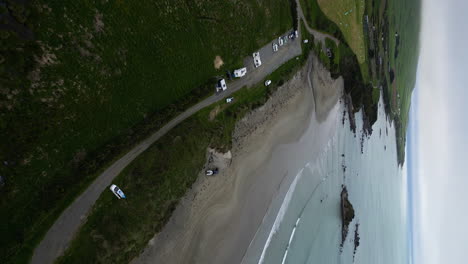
(350, 109)
(356, 239)
(347, 214)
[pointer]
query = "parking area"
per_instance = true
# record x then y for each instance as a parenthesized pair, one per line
(269, 58)
(270, 62)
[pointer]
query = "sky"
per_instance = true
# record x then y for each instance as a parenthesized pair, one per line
(438, 147)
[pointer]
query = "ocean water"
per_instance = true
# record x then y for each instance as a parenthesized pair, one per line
(306, 225)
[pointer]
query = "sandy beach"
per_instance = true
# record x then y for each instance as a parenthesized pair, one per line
(218, 218)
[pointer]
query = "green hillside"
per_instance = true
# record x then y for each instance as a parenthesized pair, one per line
(81, 81)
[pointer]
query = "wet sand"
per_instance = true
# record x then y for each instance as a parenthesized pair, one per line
(218, 218)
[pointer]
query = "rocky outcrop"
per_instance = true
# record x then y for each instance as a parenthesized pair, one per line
(356, 239)
(347, 214)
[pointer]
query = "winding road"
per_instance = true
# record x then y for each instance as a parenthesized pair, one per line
(320, 36)
(59, 236)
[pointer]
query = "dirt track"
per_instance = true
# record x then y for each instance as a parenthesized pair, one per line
(319, 36)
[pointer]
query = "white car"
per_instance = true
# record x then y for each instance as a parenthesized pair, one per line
(229, 100)
(211, 172)
(256, 58)
(267, 82)
(280, 41)
(275, 47)
(221, 86)
(117, 191)
(296, 34)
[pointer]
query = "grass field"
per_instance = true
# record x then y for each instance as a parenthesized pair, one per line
(101, 75)
(118, 230)
(344, 20)
(318, 20)
(397, 38)
(348, 16)
(404, 20)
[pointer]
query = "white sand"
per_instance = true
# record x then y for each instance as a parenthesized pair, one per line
(218, 218)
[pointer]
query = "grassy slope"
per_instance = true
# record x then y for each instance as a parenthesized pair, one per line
(100, 80)
(404, 18)
(348, 16)
(345, 62)
(390, 16)
(117, 231)
(322, 16)
(318, 20)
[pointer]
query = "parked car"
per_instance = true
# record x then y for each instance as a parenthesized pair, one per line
(267, 82)
(280, 41)
(211, 172)
(256, 58)
(296, 33)
(117, 191)
(229, 75)
(229, 100)
(275, 47)
(306, 41)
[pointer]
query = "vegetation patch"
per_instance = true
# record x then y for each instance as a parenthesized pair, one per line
(99, 79)
(118, 230)
(394, 33)
(318, 20)
(348, 16)
(404, 53)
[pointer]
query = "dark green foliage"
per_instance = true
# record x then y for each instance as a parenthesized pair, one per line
(116, 230)
(83, 81)
(318, 20)
(293, 6)
(333, 62)
(398, 22)
(361, 93)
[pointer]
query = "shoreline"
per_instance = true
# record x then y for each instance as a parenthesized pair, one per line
(219, 217)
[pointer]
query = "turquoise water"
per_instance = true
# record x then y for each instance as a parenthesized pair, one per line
(307, 226)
